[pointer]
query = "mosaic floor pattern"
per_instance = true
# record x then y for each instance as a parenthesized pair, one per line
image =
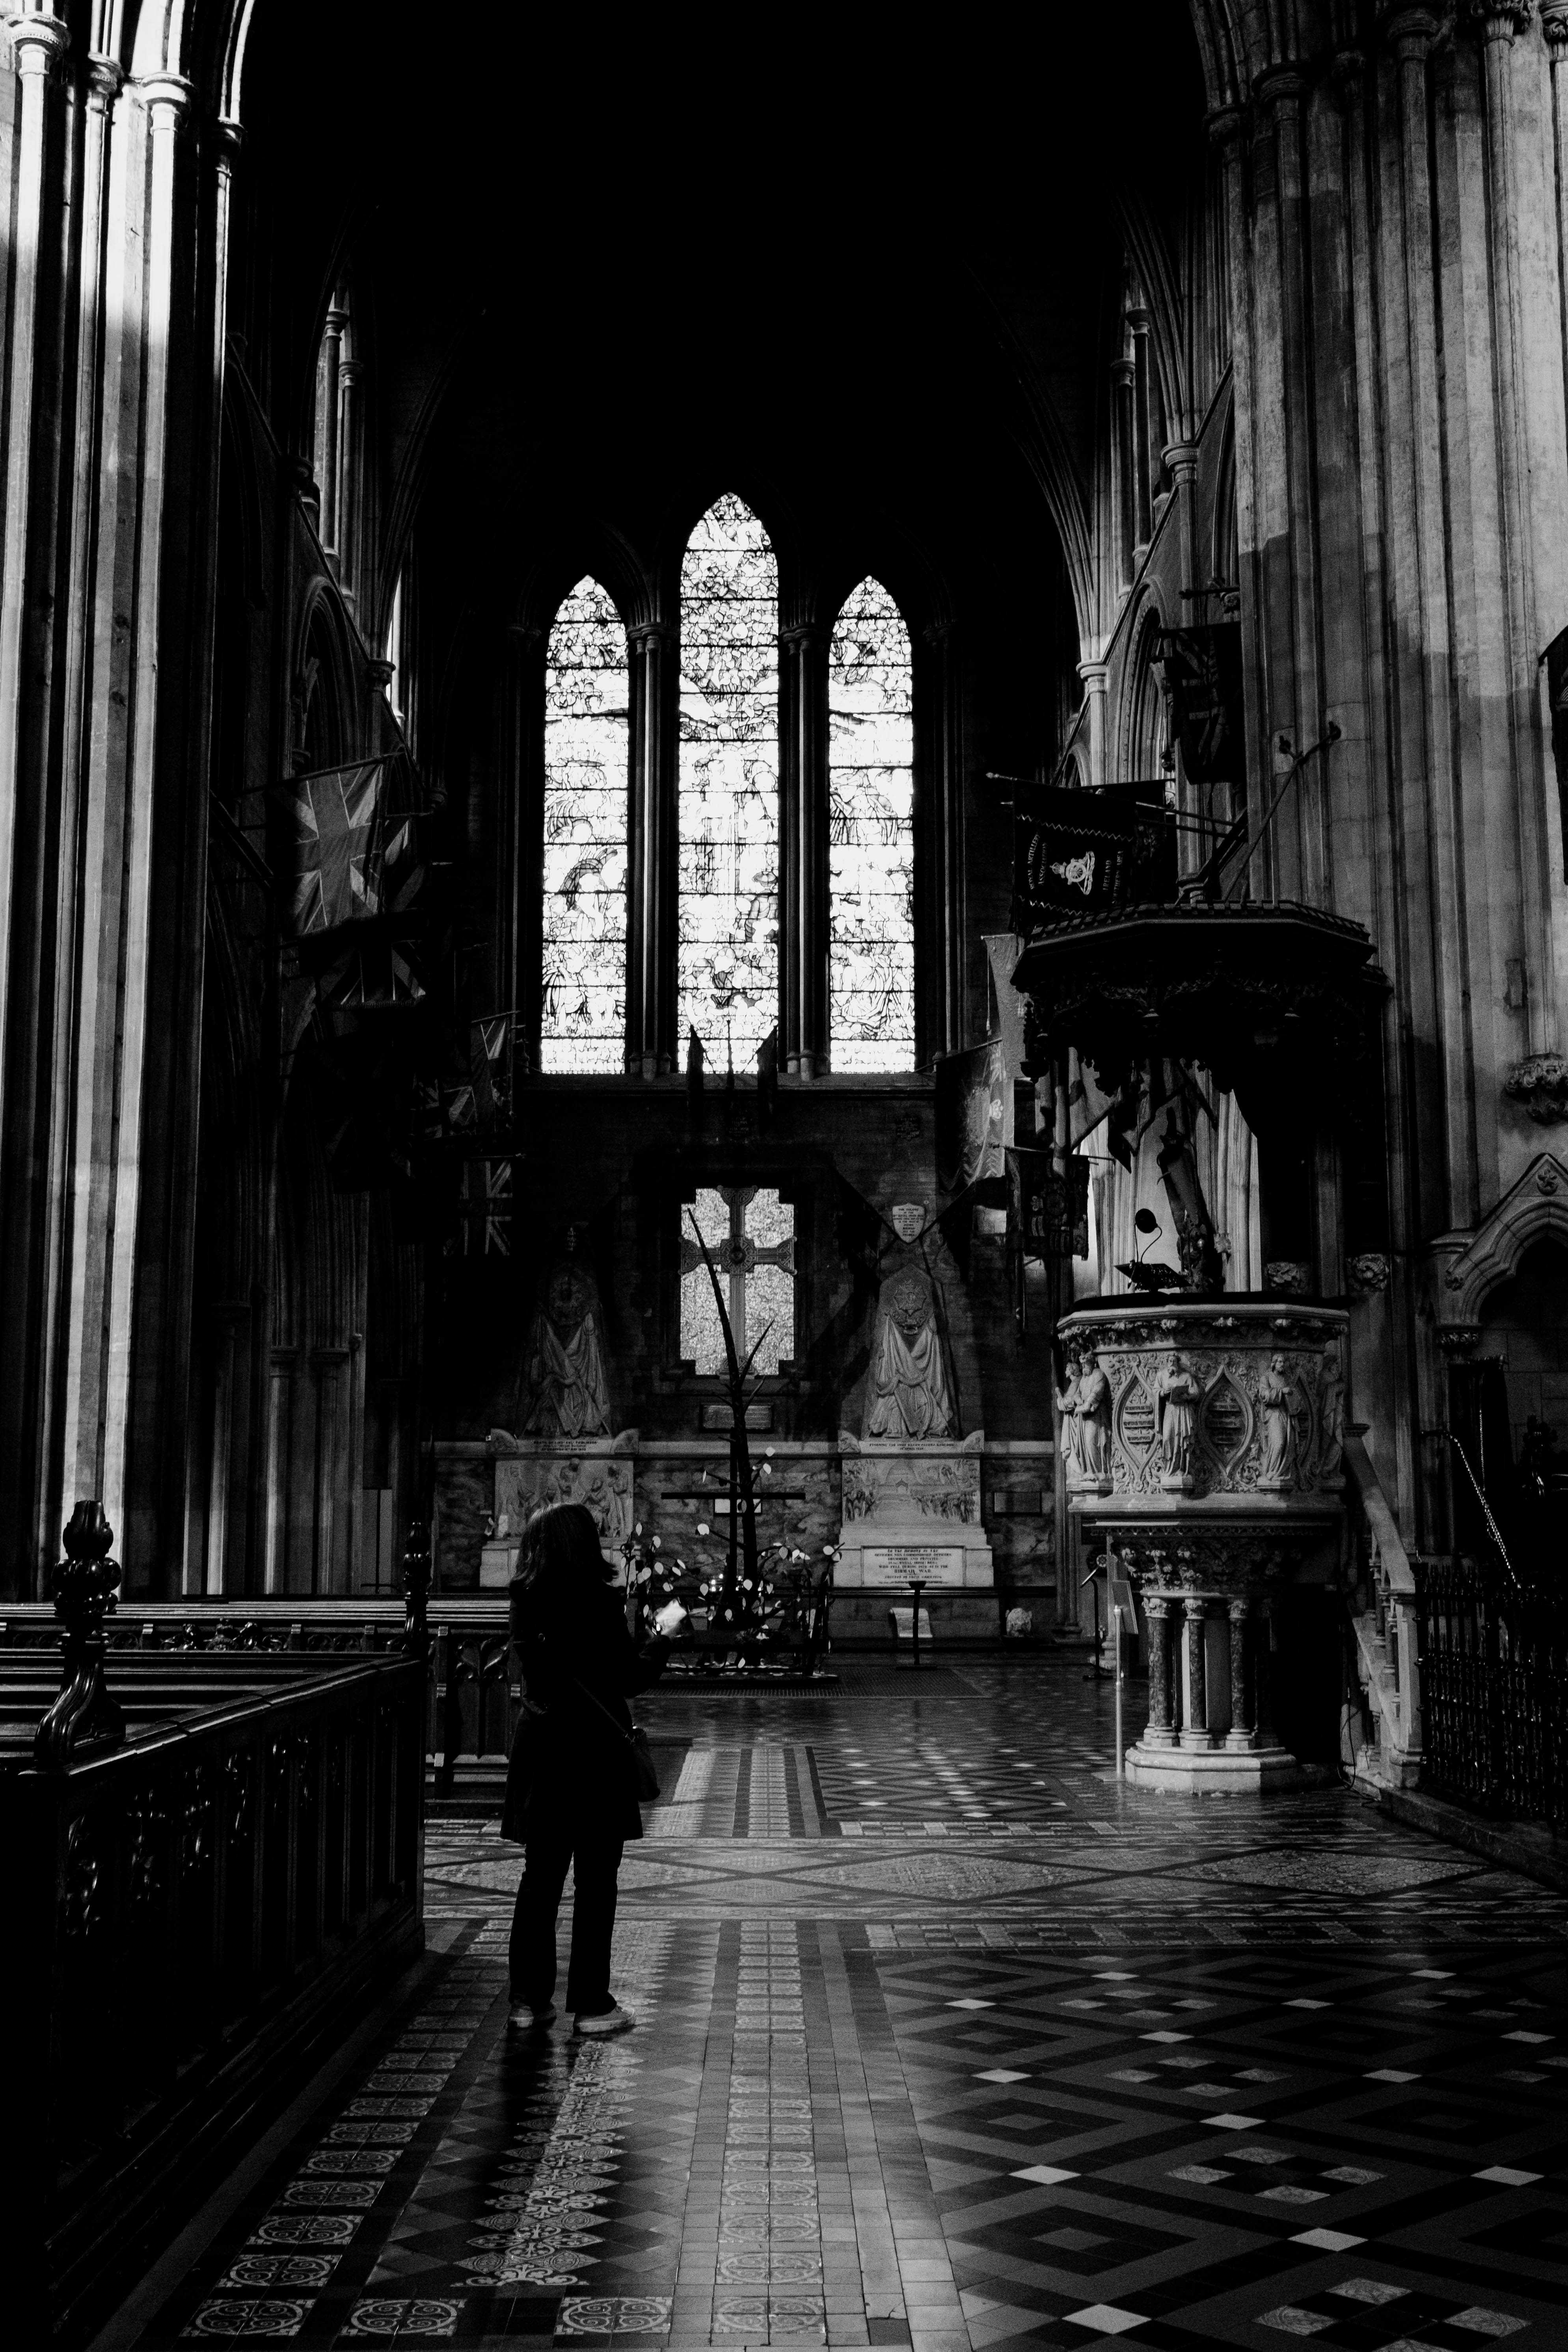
(946, 2039)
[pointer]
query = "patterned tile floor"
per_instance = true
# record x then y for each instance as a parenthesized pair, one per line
(947, 2039)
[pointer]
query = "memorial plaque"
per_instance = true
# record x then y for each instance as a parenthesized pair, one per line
(913, 1563)
(1136, 1420)
(1225, 1421)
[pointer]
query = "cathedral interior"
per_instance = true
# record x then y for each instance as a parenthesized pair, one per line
(813, 787)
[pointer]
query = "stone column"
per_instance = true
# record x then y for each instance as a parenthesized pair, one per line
(1095, 674)
(1182, 463)
(38, 43)
(1195, 1733)
(327, 417)
(519, 911)
(938, 850)
(1123, 491)
(804, 906)
(1142, 438)
(350, 388)
(328, 1365)
(280, 1463)
(104, 79)
(1161, 1732)
(1241, 1729)
(231, 1317)
(653, 848)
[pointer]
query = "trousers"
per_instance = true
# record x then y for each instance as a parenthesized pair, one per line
(532, 1958)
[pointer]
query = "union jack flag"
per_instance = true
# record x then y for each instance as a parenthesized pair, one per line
(485, 1227)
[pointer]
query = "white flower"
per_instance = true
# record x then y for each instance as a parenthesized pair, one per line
(702, 1526)
(637, 1529)
(657, 1541)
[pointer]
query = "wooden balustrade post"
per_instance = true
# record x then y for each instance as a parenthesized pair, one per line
(451, 1713)
(86, 1586)
(417, 1588)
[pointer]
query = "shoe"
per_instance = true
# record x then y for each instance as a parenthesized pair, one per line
(610, 2020)
(524, 2018)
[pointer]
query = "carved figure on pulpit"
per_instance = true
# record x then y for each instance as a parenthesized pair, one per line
(1094, 1423)
(907, 1393)
(565, 1384)
(1331, 1414)
(1071, 1428)
(1276, 1398)
(1178, 1393)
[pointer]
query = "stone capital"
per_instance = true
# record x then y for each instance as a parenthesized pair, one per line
(167, 97)
(1498, 20)
(1554, 25)
(40, 43)
(1225, 124)
(1095, 674)
(1282, 85)
(1123, 372)
(1412, 32)
(1182, 457)
(105, 80)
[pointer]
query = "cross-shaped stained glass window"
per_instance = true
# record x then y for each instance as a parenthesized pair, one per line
(750, 1233)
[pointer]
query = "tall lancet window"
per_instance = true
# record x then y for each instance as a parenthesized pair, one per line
(582, 1024)
(727, 950)
(871, 940)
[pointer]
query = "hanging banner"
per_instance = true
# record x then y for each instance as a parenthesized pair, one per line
(1047, 1212)
(971, 1116)
(1003, 948)
(484, 1227)
(355, 855)
(1078, 852)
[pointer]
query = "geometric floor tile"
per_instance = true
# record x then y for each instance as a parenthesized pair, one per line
(947, 2039)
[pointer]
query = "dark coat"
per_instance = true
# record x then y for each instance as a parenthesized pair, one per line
(571, 1769)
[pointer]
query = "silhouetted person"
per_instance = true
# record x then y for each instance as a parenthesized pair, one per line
(572, 1787)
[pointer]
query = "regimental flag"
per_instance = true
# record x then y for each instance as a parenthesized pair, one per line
(972, 1091)
(1048, 1211)
(484, 1228)
(1080, 852)
(1203, 676)
(371, 979)
(339, 850)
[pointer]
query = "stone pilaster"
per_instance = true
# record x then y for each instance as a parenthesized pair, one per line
(653, 853)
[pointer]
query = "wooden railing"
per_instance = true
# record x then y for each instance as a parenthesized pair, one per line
(187, 1912)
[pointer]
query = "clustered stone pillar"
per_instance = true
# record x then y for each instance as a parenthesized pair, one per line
(653, 853)
(1241, 1729)
(1195, 1732)
(806, 910)
(1161, 1732)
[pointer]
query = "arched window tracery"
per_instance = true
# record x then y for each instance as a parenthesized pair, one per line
(871, 940)
(586, 779)
(727, 936)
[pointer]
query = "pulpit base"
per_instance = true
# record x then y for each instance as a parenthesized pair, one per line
(1221, 1771)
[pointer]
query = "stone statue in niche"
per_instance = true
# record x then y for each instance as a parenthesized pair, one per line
(1085, 1407)
(1276, 1396)
(1178, 1393)
(1331, 1414)
(1094, 1423)
(1072, 1428)
(907, 1393)
(566, 1393)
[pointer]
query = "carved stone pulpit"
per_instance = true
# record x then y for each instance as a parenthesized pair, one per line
(1209, 1459)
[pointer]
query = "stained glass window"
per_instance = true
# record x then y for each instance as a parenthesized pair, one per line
(728, 941)
(587, 783)
(750, 1235)
(870, 855)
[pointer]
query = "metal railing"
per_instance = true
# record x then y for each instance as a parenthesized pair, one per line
(1494, 1684)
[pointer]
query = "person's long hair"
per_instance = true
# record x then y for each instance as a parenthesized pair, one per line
(560, 1564)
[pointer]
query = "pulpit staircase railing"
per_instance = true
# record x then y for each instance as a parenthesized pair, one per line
(1494, 1674)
